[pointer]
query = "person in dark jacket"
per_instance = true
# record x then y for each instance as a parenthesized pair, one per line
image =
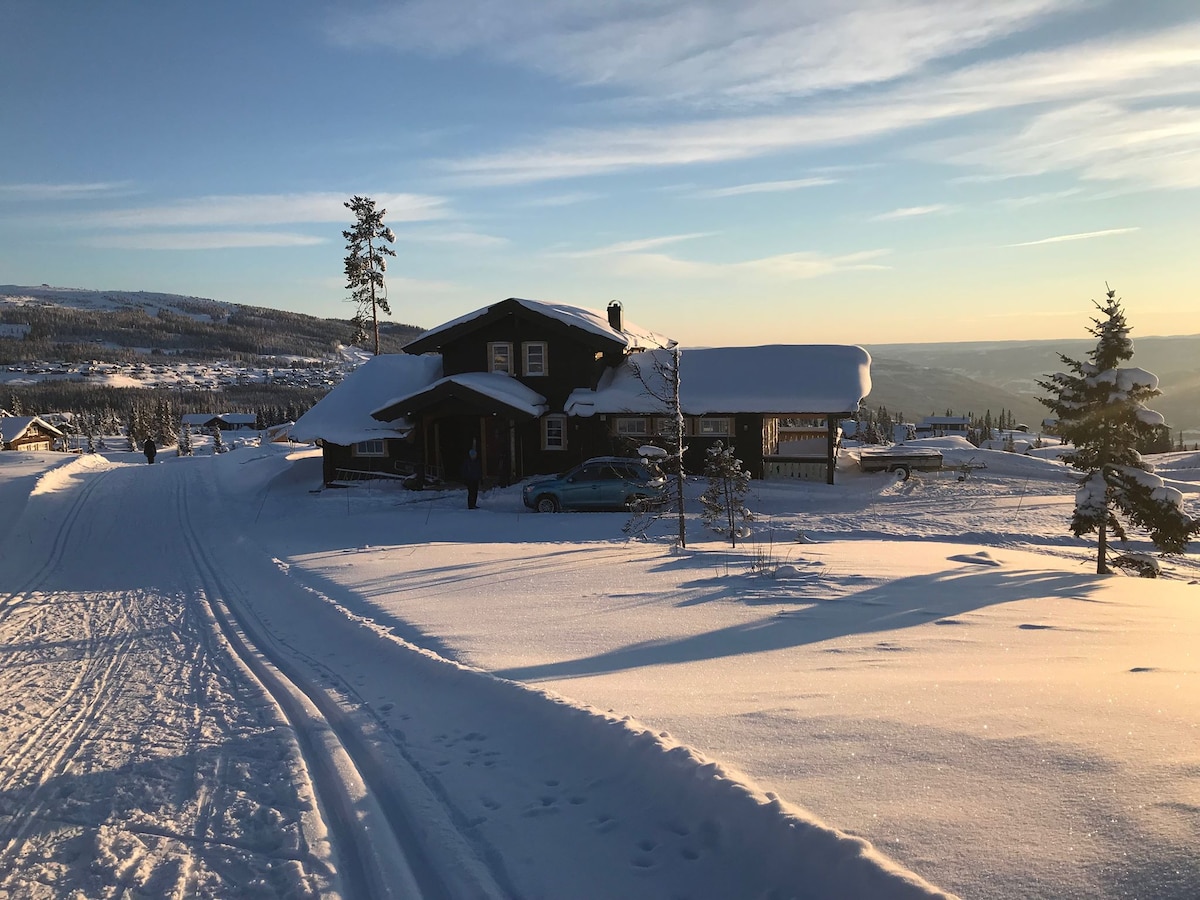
(149, 449)
(472, 472)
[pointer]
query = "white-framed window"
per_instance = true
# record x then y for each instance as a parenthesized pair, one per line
(717, 426)
(535, 357)
(665, 425)
(554, 433)
(370, 448)
(500, 357)
(631, 427)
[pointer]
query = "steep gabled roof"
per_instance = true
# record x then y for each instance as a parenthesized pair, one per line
(13, 428)
(778, 379)
(343, 416)
(591, 325)
(488, 391)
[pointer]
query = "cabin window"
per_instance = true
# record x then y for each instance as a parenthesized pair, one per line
(631, 427)
(664, 425)
(535, 357)
(500, 357)
(554, 433)
(370, 448)
(713, 427)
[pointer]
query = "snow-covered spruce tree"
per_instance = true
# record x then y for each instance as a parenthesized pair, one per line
(723, 503)
(184, 447)
(218, 441)
(366, 261)
(1101, 412)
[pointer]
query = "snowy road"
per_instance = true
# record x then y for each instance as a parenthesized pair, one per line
(183, 719)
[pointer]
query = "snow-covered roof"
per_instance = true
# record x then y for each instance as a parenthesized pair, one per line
(778, 378)
(198, 418)
(343, 416)
(592, 321)
(499, 387)
(13, 428)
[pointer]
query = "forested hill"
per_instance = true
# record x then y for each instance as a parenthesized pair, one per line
(70, 325)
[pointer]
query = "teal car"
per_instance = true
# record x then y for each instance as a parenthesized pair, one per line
(605, 482)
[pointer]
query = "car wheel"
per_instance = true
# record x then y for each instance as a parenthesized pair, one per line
(902, 472)
(636, 502)
(546, 503)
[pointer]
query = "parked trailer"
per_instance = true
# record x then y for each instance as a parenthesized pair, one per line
(906, 460)
(902, 461)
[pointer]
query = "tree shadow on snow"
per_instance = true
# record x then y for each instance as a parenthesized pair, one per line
(890, 607)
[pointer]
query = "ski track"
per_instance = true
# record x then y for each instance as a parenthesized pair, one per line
(144, 757)
(203, 724)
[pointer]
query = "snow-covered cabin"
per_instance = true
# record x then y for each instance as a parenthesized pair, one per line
(224, 421)
(28, 433)
(943, 426)
(354, 443)
(538, 387)
(739, 396)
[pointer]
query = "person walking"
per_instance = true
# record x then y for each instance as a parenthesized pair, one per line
(472, 472)
(149, 449)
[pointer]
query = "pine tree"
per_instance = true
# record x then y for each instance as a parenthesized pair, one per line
(366, 261)
(1101, 411)
(724, 500)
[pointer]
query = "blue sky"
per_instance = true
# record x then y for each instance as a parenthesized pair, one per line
(858, 171)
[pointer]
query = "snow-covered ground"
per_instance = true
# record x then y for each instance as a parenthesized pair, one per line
(220, 682)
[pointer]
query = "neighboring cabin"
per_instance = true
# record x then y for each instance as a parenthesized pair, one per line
(537, 387)
(28, 433)
(223, 421)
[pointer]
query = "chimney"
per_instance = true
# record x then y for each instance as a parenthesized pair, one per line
(614, 316)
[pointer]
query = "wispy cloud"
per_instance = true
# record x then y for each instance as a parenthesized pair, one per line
(911, 212)
(1037, 199)
(708, 51)
(202, 240)
(767, 187)
(248, 210)
(1146, 128)
(636, 246)
(1081, 236)
(98, 189)
(782, 268)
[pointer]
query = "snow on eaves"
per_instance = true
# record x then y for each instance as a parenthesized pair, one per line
(778, 378)
(497, 385)
(13, 428)
(589, 320)
(343, 416)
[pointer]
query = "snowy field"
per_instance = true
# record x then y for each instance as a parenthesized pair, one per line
(221, 682)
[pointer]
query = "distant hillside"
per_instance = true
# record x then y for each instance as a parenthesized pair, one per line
(45, 323)
(919, 378)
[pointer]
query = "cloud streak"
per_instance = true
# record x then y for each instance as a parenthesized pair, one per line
(1147, 129)
(912, 212)
(263, 209)
(202, 240)
(635, 246)
(702, 51)
(1081, 236)
(78, 191)
(767, 187)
